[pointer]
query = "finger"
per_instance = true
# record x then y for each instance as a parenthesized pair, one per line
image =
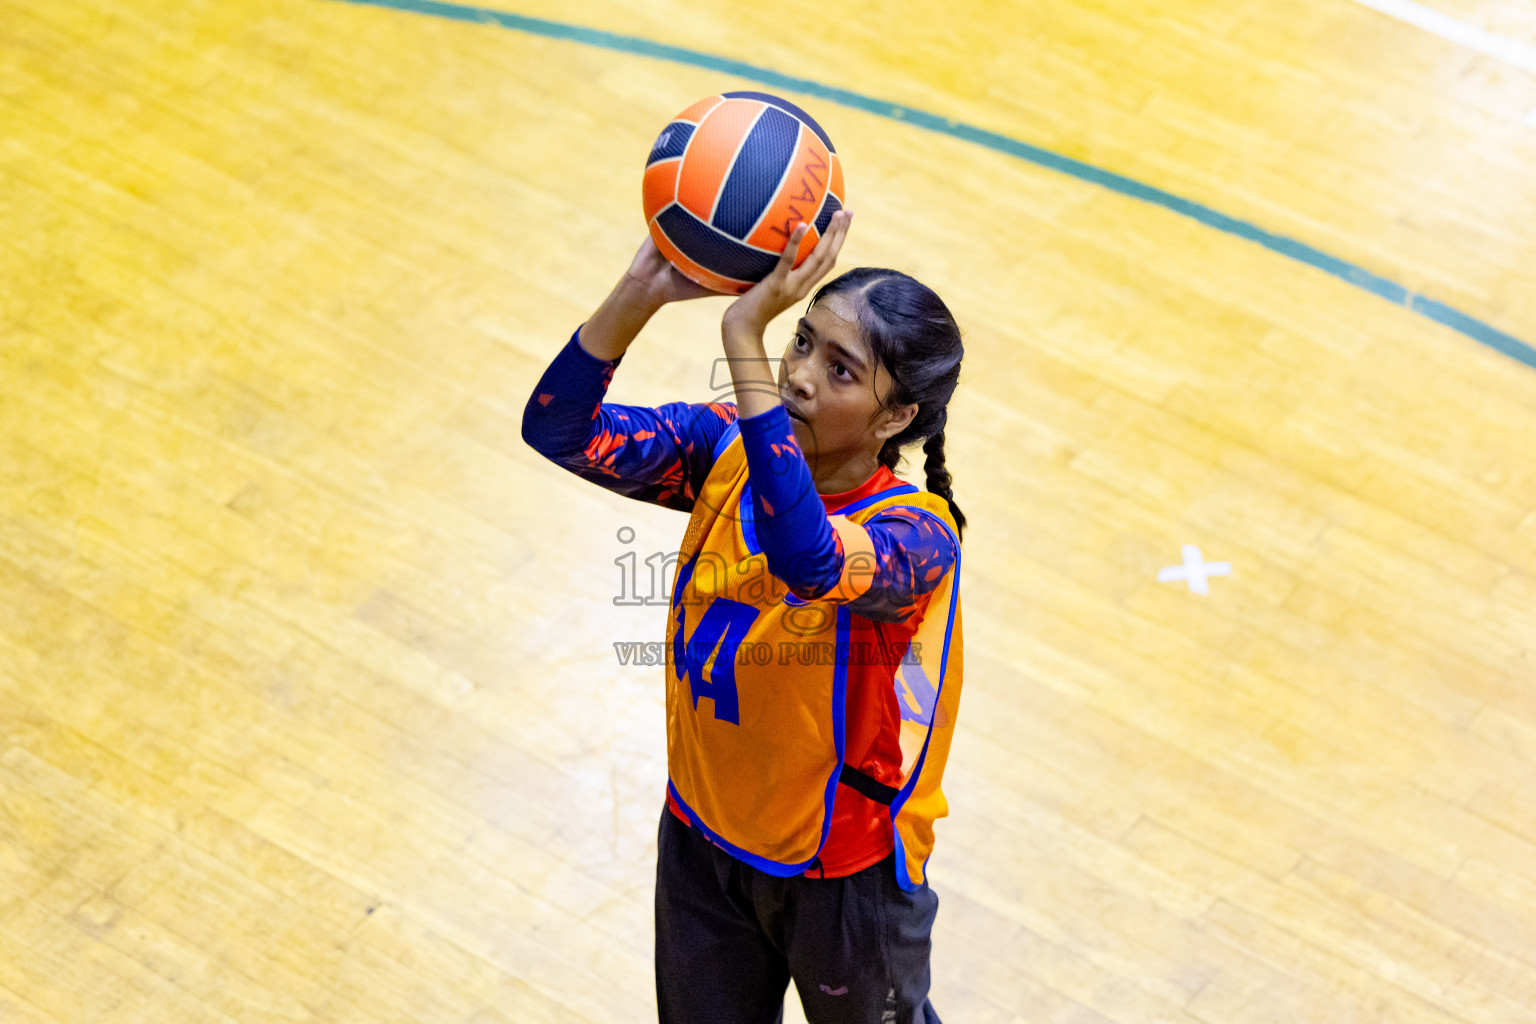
(832, 243)
(792, 249)
(824, 256)
(839, 230)
(684, 287)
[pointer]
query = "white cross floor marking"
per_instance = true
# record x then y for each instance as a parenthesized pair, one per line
(1196, 570)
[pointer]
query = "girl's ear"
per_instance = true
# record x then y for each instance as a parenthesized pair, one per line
(898, 419)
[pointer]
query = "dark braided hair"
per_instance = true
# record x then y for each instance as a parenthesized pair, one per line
(914, 335)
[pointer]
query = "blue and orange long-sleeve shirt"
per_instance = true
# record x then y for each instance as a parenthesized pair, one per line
(663, 455)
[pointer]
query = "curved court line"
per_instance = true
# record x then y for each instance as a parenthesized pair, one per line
(1296, 250)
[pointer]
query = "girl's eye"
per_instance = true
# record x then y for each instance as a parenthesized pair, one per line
(800, 340)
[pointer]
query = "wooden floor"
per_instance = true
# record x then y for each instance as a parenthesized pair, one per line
(309, 702)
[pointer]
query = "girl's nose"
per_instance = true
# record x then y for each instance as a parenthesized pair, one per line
(798, 378)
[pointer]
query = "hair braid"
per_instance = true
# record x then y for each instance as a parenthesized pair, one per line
(938, 479)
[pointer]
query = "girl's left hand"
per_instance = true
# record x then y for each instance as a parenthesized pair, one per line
(787, 284)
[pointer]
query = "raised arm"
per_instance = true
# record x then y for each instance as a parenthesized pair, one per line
(659, 455)
(655, 455)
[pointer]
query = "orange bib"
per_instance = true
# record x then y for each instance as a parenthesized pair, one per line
(756, 683)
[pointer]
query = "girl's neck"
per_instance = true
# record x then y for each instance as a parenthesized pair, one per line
(845, 476)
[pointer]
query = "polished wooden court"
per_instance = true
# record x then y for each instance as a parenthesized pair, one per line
(310, 708)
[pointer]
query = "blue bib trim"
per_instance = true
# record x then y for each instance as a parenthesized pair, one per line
(732, 432)
(906, 883)
(863, 503)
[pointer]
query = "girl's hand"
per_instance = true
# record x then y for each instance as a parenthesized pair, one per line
(649, 283)
(659, 279)
(787, 285)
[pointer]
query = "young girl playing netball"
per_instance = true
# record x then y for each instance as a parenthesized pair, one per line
(814, 642)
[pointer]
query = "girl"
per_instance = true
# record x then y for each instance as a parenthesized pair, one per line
(814, 641)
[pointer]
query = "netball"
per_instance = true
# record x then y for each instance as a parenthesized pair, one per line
(727, 181)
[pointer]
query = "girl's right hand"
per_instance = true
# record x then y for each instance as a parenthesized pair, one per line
(660, 280)
(649, 283)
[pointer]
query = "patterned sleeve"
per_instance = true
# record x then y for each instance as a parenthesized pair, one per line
(659, 455)
(880, 569)
(912, 554)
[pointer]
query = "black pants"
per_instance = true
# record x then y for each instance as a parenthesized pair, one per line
(729, 938)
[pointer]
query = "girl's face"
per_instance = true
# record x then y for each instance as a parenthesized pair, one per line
(830, 379)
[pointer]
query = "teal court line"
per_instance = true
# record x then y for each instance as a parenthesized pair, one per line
(1358, 276)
